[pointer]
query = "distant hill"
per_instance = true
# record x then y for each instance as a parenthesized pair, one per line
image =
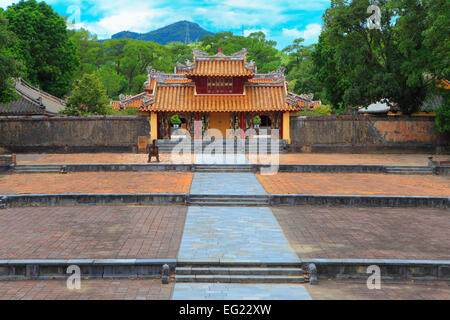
(171, 33)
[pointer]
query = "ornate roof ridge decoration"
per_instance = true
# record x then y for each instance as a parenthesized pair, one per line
(308, 98)
(242, 53)
(278, 74)
(197, 53)
(127, 99)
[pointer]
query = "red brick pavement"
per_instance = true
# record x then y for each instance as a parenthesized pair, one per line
(290, 158)
(90, 232)
(366, 233)
(104, 289)
(85, 158)
(126, 289)
(96, 182)
(390, 290)
(356, 184)
(345, 158)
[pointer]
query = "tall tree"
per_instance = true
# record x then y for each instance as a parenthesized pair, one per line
(9, 64)
(89, 97)
(43, 43)
(385, 63)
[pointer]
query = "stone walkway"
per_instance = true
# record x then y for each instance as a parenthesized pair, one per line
(229, 291)
(234, 234)
(226, 184)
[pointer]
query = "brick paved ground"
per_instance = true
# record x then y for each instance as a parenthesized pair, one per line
(356, 184)
(290, 158)
(96, 182)
(84, 232)
(371, 233)
(84, 158)
(154, 290)
(390, 290)
(344, 158)
(90, 290)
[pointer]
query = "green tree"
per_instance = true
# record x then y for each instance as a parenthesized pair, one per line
(89, 51)
(326, 72)
(44, 46)
(300, 69)
(89, 97)
(437, 38)
(9, 64)
(113, 82)
(379, 63)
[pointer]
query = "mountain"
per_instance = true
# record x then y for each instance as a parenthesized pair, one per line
(174, 32)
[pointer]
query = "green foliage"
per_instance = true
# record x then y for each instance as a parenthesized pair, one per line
(9, 64)
(318, 111)
(260, 49)
(43, 44)
(443, 116)
(371, 65)
(257, 120)
(175, 119)
(125, 112)
(89, 97)
(113, 82)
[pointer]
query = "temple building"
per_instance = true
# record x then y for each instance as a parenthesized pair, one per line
(223, 92)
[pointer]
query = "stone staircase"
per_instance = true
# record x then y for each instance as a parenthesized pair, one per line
(228, 200)
(409, 170)
(240, 274)
(166, 146)
(223, 168)
(41, 168)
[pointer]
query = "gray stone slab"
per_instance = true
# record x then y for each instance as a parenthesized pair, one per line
(234, 234)
(226, 184)
(227, 291)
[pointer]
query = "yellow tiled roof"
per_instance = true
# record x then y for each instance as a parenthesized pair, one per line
(256, 98)
(220, 68)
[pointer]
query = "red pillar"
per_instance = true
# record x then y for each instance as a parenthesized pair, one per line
(281, 127)
(196, 131)
(242, 125)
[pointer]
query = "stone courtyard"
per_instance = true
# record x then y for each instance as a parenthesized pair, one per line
(227, 234)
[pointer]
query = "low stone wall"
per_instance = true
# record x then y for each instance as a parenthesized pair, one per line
(72, 134)
(365, 134)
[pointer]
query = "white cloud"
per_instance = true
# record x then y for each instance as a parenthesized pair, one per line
(5, 3)
(133, 20)
(310, 33)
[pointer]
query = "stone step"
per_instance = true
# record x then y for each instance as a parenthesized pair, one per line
(239, 279)
(239, 271)
(227, 204)
(37, 169)
(224, 170)
(223, 199)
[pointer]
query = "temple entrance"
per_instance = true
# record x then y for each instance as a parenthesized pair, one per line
(220, 121)
(266, 123)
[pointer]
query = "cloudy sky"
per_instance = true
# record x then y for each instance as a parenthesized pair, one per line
(281, 20)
